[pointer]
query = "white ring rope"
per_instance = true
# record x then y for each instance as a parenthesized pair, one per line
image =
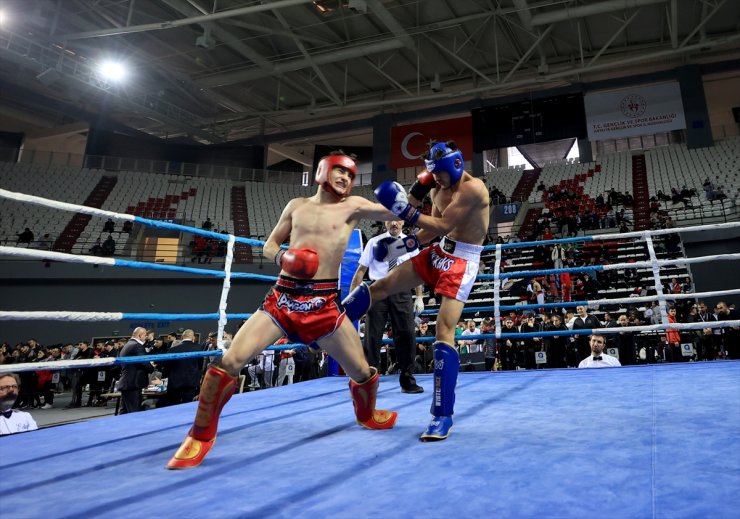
(225, 294)
(655, 267)
(497, 291)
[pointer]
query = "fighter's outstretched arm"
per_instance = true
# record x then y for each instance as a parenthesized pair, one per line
(368, 210)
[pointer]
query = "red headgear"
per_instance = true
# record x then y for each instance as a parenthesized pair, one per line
(330, 162)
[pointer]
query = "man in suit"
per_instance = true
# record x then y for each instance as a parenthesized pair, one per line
(183, 376)
(134, 377)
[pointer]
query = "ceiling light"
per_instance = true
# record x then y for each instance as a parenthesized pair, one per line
(113, 70)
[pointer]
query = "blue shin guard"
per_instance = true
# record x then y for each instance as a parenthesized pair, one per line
(446, 367)
(358, 302)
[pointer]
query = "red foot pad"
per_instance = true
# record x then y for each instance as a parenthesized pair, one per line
(215, 391)
(191, 453)
(381, 420)
(364, 396)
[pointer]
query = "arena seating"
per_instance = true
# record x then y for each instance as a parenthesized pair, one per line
(59, 183)
(193, 199)
(505, 179)
(676, 166)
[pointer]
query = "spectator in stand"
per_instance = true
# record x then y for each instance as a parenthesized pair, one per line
(25, 237)
(730, 335)
(614, 197)
(489, 345)
(584, 321)
(530, 345)
(566, 285)
(625, 342)
(507, 347)
(128, 226)
(704, 341)
(109, 246)
(97, 248)
(109, 226)
(470, 345)
(556, 345)
(207, 225)
(80, 377)
(590, 285)
(672, 350)
(424, 351)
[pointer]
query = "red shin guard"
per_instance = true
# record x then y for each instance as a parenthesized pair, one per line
(364, 396)
(217, 388)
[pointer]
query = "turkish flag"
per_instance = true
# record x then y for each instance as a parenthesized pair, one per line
(410, 141)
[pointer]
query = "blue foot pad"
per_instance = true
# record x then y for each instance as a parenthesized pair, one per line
(439, 429)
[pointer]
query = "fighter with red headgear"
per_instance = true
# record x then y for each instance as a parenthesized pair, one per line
(330, 162)
(302, 305)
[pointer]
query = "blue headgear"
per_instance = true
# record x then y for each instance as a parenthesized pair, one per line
(442, 157)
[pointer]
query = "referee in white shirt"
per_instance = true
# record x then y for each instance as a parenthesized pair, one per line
(398, 308)
(598, 359)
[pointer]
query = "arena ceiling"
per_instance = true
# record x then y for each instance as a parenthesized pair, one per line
(220, 70)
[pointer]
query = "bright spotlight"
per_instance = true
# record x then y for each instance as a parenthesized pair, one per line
(2, 17)
(113, 70)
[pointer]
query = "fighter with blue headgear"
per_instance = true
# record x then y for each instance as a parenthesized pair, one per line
(445, 158)
(460, 212)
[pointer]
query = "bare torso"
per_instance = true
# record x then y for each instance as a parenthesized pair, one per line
(471, 225)
(325, 228)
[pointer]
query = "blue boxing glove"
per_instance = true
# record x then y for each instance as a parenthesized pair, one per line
(390, 248)
(393, 197)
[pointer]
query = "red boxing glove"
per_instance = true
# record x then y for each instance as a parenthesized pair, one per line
(425, 182)
(301, 263)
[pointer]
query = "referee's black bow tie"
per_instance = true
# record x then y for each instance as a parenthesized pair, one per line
(7, 413)
(597, 358)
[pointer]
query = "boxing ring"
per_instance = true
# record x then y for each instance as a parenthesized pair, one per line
(642, 441)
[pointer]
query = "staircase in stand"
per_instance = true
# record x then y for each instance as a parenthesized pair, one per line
(240, 215)
(641, 193)
(528, 225)
(78, 222)
(526, 184)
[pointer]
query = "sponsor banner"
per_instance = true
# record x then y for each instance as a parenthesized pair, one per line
(410, 141)
(634, 111)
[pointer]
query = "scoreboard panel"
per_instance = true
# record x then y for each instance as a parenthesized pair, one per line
(529, 121)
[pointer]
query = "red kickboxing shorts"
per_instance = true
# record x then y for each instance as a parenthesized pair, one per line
(305, 310)
(449, 267)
